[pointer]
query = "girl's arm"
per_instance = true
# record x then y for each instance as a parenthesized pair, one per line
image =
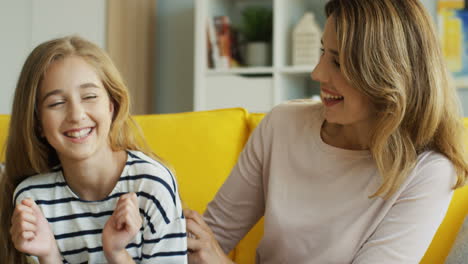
(120, 229)
(31, 233)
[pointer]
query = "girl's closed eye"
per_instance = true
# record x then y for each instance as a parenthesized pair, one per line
(55, 104)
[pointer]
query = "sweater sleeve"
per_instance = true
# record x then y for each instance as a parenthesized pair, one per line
(407, 230)
(164, 236)
(240, 201)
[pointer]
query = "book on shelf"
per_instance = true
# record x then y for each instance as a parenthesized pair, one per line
(222, 43)
(223, 34)
(213, 52)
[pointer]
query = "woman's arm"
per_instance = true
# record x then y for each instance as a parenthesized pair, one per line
(407, 230)
(240, 202)
(204, 248)
(237, 206)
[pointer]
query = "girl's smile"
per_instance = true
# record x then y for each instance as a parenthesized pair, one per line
(79, 135)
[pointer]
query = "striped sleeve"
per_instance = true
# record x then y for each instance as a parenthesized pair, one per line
(164, 235)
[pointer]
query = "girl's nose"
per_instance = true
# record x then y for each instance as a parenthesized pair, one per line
(76, 112)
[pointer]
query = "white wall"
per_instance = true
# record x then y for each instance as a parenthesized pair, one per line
(174, 56)
(26, 23)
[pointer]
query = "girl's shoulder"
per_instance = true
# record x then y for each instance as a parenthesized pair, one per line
(151, 179)
(143, 162)
(143, 168)
(39, 182)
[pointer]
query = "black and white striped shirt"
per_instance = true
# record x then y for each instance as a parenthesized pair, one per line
(78, 224)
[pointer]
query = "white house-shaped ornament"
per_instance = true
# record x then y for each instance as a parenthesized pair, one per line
(306, 41)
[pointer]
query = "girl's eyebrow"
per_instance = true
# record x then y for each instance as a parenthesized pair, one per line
(89, 85)
(59, 91)
(334, 52)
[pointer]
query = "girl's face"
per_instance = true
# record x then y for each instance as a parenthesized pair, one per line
(75, 110)
(343, 103)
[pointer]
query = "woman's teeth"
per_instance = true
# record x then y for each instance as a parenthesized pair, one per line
(78, 134)
(330, 96)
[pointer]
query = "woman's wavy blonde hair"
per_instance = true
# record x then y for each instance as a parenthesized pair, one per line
(27, 153)
(390, 52)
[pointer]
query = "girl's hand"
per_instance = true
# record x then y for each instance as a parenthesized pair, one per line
(202, 245)
(31, 233)
(121, 228)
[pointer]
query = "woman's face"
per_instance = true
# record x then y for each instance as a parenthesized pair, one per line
(343, 103)
(75, 110)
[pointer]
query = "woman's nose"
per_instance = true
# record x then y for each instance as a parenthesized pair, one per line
(318, 73)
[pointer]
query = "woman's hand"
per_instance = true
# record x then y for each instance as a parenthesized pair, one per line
(202, 245)
(31, 233)
(121, 228)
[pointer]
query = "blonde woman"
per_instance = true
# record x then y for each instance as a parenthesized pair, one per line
(364, 177)
(78, 188)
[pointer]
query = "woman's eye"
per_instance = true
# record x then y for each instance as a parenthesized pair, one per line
(89, 97)
(336, 63)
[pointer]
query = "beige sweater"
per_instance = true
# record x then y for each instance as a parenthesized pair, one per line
(315, 198)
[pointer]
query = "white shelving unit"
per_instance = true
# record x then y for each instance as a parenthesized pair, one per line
(256, 88)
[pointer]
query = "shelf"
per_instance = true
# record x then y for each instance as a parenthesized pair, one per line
(255, 88)
(244, 70)
(307, 69)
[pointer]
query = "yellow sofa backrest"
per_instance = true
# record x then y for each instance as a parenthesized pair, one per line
(203, 147)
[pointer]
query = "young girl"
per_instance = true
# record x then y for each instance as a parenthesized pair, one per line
(364, 177)
(78, 187)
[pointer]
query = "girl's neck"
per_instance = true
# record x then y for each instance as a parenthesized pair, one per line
(94, 178)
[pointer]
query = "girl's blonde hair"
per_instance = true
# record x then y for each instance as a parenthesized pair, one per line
(389, 51)
(27, 153)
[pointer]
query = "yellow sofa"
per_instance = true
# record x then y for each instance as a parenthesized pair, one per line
(203, 147)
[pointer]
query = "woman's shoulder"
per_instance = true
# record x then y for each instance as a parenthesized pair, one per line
(433, 158)
(433, 169)
(304, 106)
(297, 111)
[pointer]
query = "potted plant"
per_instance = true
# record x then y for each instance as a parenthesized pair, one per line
(256, 28)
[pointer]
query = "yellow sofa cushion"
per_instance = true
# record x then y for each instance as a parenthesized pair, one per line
(4, 121)
(202, 147)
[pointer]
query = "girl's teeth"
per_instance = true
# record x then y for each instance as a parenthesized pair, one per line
(79, 134)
